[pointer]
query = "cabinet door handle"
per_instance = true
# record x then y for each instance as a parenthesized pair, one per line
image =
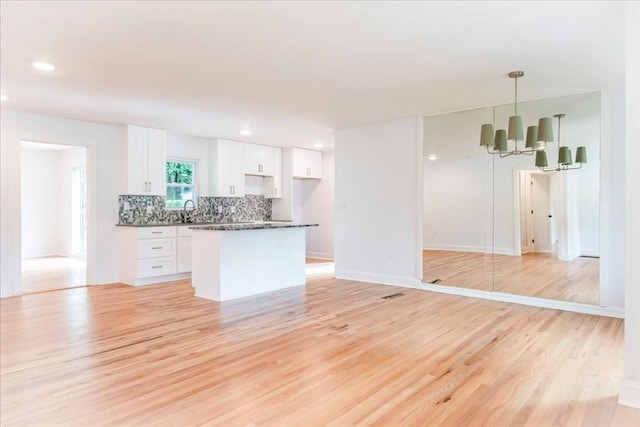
(156, 266)
(275, 191)
(157, 247)
(156, 232)
(230, 190)
(149, 187)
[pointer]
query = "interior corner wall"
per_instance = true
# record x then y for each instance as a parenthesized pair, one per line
(318, 199)
(102, 145)
(378, 208)
(630, 385)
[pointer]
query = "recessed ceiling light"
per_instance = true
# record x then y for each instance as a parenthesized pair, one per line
(44, 66)
(3, 97)
(432, 157)
(246, 132)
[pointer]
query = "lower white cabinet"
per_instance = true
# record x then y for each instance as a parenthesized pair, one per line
(153, 254)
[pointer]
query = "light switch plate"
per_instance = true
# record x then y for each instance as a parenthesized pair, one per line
(149, 209)
(233, 209)
(127, 207)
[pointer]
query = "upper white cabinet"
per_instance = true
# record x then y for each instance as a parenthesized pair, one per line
(142, 161)
(258, 160)
(273, 185)
(226, 168)
(306, 163)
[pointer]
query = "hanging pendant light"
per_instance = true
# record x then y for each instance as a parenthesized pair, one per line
(564, 155)
(537, 136)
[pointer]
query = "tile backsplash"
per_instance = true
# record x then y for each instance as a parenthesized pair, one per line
(151, 209)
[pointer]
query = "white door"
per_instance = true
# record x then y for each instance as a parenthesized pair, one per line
(541, 212)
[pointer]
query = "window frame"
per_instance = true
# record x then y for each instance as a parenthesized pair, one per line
(194, 179)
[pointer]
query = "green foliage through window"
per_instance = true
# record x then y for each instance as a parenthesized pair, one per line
(180, 183)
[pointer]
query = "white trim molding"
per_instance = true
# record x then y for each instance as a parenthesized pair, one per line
(629, 394)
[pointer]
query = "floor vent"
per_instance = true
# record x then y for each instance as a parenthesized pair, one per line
(393, 296)
(435, 281)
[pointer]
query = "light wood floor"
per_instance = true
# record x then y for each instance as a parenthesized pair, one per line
(331, 353)
(533, 274)
(56, 272)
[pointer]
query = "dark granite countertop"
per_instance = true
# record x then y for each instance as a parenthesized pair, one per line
(191, 224)
(251, 226)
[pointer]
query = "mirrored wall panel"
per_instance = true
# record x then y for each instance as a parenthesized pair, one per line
(457, 203)
(546, 228)
(504, 224)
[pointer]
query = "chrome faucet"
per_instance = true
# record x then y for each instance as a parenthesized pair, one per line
(184, 210)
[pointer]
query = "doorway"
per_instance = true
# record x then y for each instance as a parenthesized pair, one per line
(54, 216)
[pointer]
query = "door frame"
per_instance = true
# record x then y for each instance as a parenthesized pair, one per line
(91, 161)
(520, 173)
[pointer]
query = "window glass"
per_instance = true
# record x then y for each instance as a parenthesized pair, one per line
(181, 185)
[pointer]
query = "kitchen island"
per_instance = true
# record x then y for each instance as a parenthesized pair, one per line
(238, 260)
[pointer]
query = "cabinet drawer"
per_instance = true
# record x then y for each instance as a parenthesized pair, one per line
(151, 248)
(184, 231)
(156, 232)
(156, 266)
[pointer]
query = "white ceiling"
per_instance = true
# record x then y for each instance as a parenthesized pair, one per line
(293, 72)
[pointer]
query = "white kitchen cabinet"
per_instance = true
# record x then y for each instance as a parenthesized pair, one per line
(183, 255)
(142, 161)
(258, 160)
(306, 164)
(226, 168)
(147, 254)
(273, 184)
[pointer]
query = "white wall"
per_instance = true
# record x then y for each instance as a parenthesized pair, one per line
(457, 184)
(378, 173)
(101, 142)
(630, 387)
(40, 200)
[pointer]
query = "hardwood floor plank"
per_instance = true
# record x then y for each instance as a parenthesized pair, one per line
(331, 353)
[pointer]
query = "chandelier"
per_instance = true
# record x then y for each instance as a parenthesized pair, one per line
(537, 136)
(564, 155)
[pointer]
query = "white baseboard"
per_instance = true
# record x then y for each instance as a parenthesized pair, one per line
(160, 279)
(405, 282)
(320, 255)
(454, 248)
(529, 301)
(629, 394)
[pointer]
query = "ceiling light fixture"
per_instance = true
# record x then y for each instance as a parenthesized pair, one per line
(44, 66)
(246, 132)
(564, 155)
(537, 136)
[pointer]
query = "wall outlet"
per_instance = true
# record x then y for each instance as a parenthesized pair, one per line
(127, 207)
(149, 209)
(219, 209)
(233, 209)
